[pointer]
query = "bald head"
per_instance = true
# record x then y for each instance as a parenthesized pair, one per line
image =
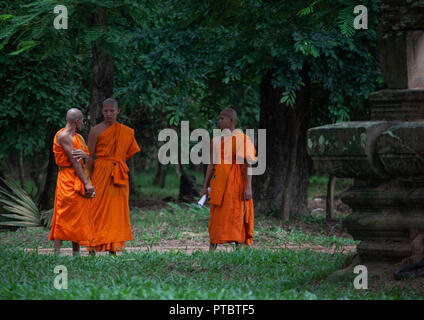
(227, 119)
(110, 102)
(73, 114)
(230, 113)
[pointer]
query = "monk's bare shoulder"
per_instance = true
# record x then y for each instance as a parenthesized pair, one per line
(97, 130)
(63, 137)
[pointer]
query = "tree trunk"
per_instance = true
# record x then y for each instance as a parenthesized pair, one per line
(330, 198)
(39, 178)
(288, 181)
(276, 119)
(133, 189)
(2, 177)
(21, 169)
(47, 196)
(160, 175)
(103, 71)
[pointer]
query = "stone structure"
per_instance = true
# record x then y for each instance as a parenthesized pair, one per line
(385, 155)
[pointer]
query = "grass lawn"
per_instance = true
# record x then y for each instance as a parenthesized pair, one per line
(268, 270)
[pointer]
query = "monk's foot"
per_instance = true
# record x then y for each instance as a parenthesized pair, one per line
(112, 253)
(240, 245)
(212, 246)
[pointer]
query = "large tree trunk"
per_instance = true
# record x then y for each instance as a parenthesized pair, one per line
(47, 188)
(2, 177)
(21, 169)
(160, 175)
(47, 195)
(277, 119)
(291, 165)
(296, 116)
(131, 176)
(103, 70)
(39, 177)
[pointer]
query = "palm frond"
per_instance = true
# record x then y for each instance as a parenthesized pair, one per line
(19, 210)
(18, 224)
(18, 195)
(47, 217)
(20, 199)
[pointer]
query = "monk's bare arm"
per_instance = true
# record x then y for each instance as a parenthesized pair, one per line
(92, 141)
(66, 143)
(208, 177)
(209, 172)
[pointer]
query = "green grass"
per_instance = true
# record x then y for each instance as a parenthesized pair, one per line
(189, 224)
(179, 222)
(240, 274)
(262, 272)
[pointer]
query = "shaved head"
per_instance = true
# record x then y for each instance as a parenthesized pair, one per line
(110, 102)
(73, 114)
(230, 113)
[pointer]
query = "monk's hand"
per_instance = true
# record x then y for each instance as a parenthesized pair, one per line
(89, 189)
(248, 193)
(204, 191)
(78, 154)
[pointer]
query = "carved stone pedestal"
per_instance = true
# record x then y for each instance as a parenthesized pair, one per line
(387, 198)
(385, 155)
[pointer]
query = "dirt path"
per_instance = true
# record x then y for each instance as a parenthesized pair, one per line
(190, 249)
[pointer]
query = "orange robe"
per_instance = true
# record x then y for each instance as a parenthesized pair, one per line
(110, 208)
(231, 217)
(71, 216)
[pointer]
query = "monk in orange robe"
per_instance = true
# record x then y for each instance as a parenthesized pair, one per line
(71, 217)
(231, 203)
(111, 143)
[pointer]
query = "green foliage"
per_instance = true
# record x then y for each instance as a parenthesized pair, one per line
(43, 77)
(179, 60)
(182, 59)
(345, 20)
(281, 36)
(309, 9)
(289, 98)
(35, 101)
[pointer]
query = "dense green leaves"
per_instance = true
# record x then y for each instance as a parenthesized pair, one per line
(178, 60)
(174, 56)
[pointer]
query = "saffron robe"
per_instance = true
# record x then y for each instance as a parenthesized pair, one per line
(110, 208)
(71, 216)
(231, 217)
